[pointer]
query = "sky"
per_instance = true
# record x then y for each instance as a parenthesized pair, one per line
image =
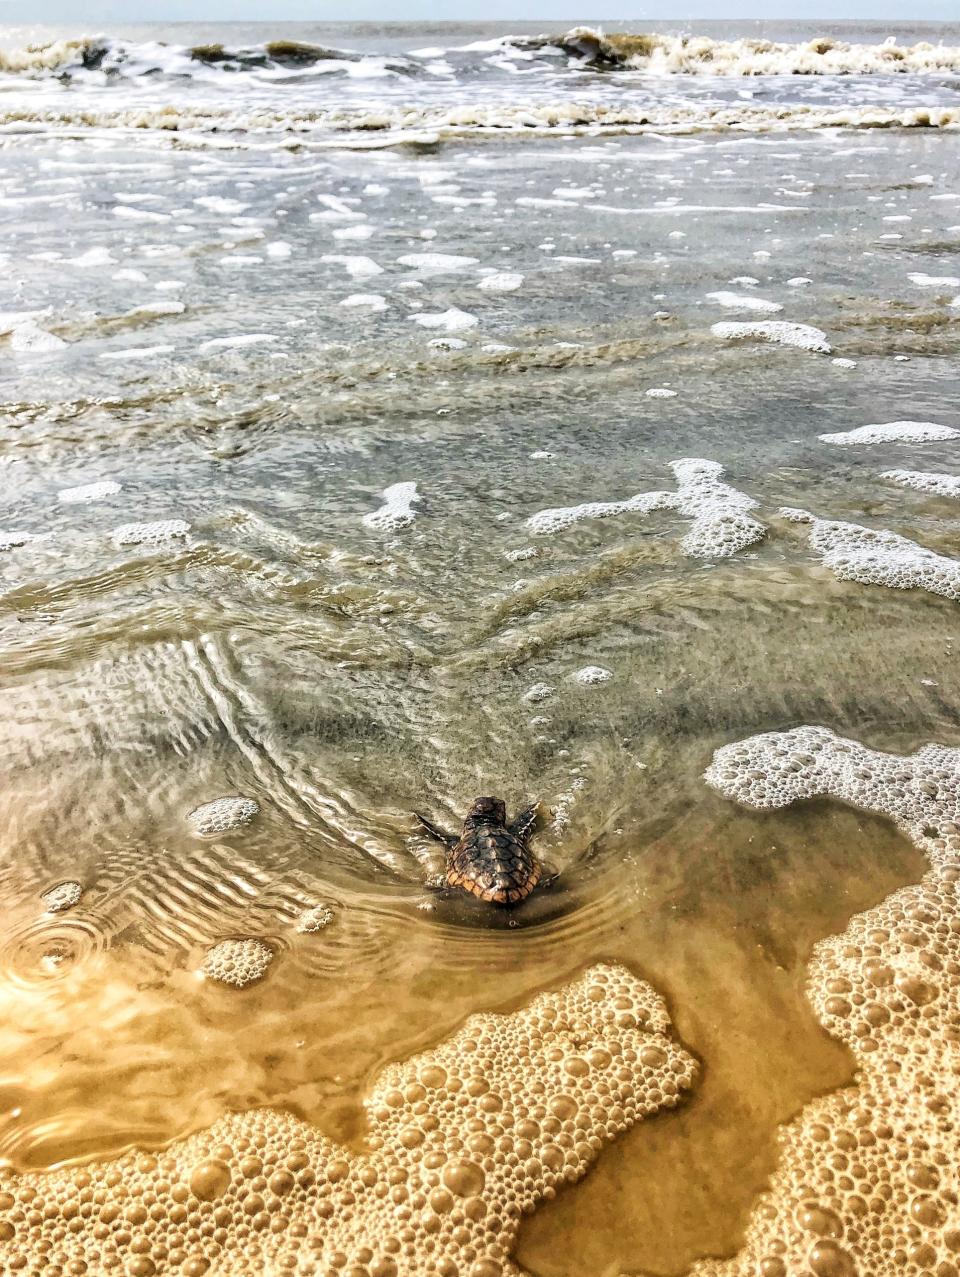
(101, 14)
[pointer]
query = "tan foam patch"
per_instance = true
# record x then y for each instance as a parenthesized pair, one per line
(463, 1141)
(869, 1180)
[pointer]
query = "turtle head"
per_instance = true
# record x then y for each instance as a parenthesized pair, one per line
(488, 809)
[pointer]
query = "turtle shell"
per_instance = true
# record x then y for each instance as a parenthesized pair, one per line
(492, 863)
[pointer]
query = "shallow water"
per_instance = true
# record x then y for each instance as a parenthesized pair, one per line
(230, 329)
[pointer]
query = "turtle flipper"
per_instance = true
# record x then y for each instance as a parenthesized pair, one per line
(448, 840)
(525, 823)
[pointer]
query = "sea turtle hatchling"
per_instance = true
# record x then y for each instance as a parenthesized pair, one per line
(491, 858)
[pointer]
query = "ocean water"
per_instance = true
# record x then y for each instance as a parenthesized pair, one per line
(392, 415)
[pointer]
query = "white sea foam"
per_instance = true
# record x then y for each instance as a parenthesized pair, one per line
(150, 533)
(221, 815)
(13, 540)
(136, 352)
(545, 522)
(366, 301)
(397, 510)
(721, 524)
(87, 492)
(501, 282)
(660, 392)
(358, 231)
(452, 320)
(855, 553)
(803, 336)
(237, 341)
(221, 204)
(941, 485)
(32, 339)
(93, 257)
(736, 301)
(62, 897)
(592, 674)
(139, 214)
(934, 281)
(437, 263)
(356, 266)
(892, 432)
(314, 919)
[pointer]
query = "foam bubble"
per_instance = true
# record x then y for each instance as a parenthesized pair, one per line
(237, 962)
(150, 533)
(591, 674)
(223, 814)
(893, 432)
(463, 1141)
(855, 553)
(942, 485)
(844, 363)
(660, 392)
(62, 897)
(397, 512)
(314, 919)
(803, 336)
(736, 301)
(799, 281)
(453, 320)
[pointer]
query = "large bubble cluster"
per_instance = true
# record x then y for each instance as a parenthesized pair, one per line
(223, 814)
(778, 331)
(397, 511)
(893, 432)
(463, 1141)
(238, 962)
(868, 1182)
(721, 524)
(941, 485)
(855, 553)
(62, 897)
(150, 533)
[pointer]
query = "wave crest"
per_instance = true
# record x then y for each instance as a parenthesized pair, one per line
(647, 53)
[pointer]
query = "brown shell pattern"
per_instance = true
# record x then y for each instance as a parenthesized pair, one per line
(493, 864)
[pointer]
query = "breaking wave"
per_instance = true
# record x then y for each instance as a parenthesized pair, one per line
(381, 126)
(118, 59)
(649, 54)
